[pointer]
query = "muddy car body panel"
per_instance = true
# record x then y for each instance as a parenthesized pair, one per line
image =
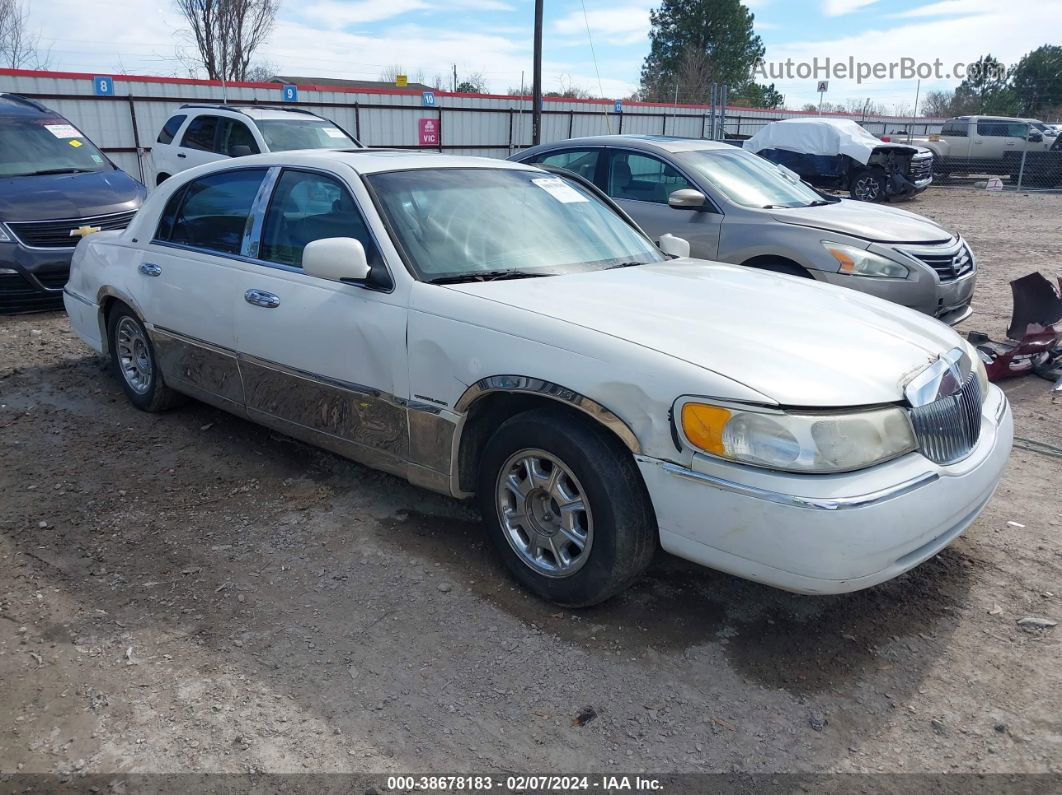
(423, 363)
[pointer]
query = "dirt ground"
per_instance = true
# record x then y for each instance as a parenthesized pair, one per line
(189, 591)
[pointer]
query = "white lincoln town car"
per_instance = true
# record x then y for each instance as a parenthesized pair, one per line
(493, 329)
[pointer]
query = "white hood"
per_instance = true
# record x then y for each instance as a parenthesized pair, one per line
(795, 340)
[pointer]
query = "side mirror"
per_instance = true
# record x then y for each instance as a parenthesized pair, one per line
(1035, 137)
(686, 199)
(338, 259)
(675, 246)
(240, 150)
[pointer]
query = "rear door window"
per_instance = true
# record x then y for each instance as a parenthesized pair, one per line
(201, 133)
(212, 212)
(169, 130)
(579, 161)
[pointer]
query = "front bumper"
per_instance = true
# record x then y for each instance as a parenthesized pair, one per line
(923, 290)
(822, 534)
(38, 278)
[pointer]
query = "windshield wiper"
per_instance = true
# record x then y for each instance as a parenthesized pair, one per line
(47, 171)
(487, 276)
(631, 264)
(820, 203)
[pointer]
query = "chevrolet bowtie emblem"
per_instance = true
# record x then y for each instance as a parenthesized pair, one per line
(84, 231)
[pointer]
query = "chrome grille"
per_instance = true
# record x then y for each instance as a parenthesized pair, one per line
(948, 428)
(950, 263)
(56, 234)
(920, 169)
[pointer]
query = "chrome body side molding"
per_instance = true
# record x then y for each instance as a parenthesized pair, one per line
(811, 503)
(537, 386)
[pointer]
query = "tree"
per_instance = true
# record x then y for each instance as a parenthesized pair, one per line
(227, 33)
(985, 90)
(1037, 81)
(938, 104)
(756, 95)
(19, 48)
(474, 83)
(262, 72)
(693, 43)
(569, 90)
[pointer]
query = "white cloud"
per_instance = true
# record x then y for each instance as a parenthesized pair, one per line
(943, 8)
(1007, 32)
(335, 14)
(627, 24)
(836, 8)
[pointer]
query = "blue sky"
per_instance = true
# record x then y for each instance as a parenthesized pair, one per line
(361, 38)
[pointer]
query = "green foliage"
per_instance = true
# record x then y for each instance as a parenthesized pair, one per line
(1037, 81)
(757, 95)
(694, 43)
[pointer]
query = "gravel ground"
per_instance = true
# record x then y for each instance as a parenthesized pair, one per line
(193, 592)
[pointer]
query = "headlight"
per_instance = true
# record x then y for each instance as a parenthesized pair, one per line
(857, 262)
(4, 236)
(798, 442)
(978, 366)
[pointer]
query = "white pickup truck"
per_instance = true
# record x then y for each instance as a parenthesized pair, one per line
(993, 145)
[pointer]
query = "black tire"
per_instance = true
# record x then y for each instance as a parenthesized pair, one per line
(868, 185)
(624, 536)
(153, 394)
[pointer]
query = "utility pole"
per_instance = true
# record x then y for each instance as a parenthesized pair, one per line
(536, 80)
(455, 78)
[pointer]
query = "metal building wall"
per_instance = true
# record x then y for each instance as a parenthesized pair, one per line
(126, 124)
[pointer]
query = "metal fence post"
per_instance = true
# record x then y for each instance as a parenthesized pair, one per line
(1024, 152)
(510, 130)
(357, 122)
(571, 121)
(136, 138)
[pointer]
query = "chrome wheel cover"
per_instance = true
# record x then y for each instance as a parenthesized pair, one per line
(544, 513)
(134, 355)
(867, 189)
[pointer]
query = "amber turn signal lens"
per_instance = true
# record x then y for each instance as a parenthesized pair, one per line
(703, 426)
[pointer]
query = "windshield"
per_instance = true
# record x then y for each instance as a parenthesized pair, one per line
(32, 146)
(492, 222)
(748, 179)
(284, 134)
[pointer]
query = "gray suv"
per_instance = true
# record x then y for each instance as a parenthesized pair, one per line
(734, 206)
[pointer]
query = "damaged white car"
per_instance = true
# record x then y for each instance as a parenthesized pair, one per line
(491, 329)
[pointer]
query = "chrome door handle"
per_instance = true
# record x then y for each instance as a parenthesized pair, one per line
(150, 269)
(262, 298)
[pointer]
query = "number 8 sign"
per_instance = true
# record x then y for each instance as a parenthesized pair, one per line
(103, 86)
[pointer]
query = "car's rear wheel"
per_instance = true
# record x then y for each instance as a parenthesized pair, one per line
(134, 362)
(565, 507)
(868, 185)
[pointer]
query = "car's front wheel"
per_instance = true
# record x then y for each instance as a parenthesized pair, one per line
(868, 185)
(134, 362)
(565, 507)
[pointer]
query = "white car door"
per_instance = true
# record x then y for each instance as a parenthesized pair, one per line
(198, 143)
(164, 150)
(641, 183)
(320, 359)
(190, 277)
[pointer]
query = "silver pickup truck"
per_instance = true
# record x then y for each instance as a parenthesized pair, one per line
(994, 145)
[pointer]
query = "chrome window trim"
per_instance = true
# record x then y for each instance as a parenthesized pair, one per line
(251, 240)
(808, 503)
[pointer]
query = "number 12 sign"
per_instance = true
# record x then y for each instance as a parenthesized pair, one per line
(429, 132)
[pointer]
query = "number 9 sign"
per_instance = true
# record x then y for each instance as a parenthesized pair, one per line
(291, 93)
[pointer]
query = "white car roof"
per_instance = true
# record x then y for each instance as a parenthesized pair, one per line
(371, 161)
(251, 112)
